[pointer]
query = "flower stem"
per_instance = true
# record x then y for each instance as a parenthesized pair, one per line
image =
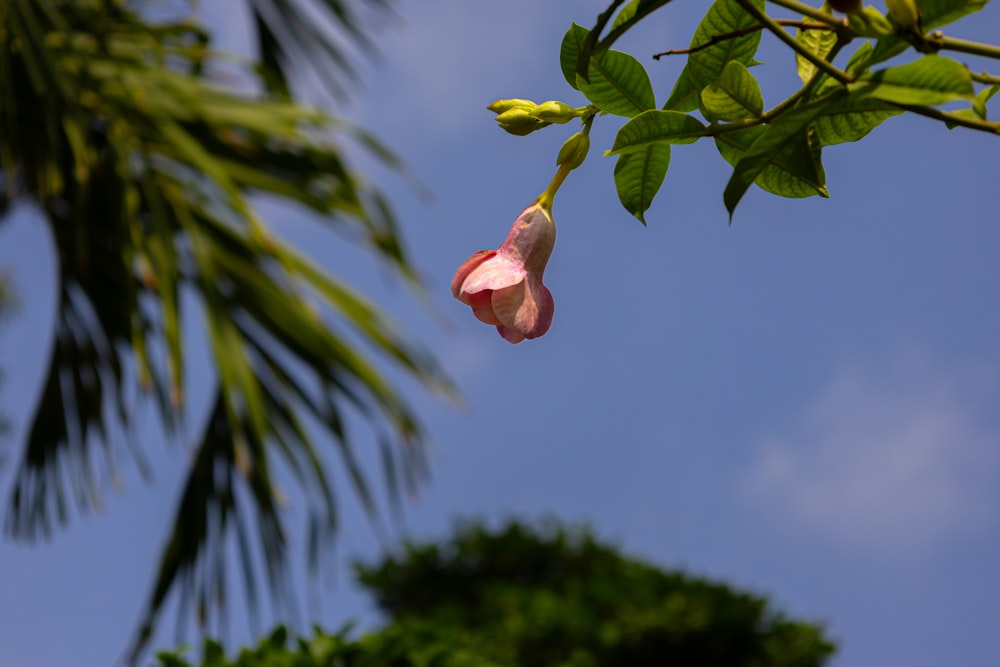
(545, 199)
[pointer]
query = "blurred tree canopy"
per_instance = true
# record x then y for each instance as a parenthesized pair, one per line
(121, 134)
(547, 595)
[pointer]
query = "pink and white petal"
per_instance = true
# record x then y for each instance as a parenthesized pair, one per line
(467, 267)
(527, 308)
(534, 317)
(506, 303)
(510, 335)
(495, 273)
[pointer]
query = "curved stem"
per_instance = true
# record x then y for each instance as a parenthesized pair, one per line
(549, 194)
(546, 198)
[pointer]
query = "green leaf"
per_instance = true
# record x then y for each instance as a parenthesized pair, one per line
(735, 96)
(784, 177)
(931, 80)
(984, 96)
(656, 127)
(685, 95)
(724, 16)
(857, 64)
(851, 119)
(618, 84)
(935, 13)
(590, 46)
(784, 143)
(978, 109)
(638, 177)
(631, 15)
(819, 42)
(569, 52)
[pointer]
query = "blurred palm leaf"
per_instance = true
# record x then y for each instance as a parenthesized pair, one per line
(316, 36)
(6, 303)
(142, 168)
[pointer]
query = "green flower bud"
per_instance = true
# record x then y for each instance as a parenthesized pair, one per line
(555, 112)
(519, 121)
(904, 12)
(870, 22)
(574, 151)
(506, 105)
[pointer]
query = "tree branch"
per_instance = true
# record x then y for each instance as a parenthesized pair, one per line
(950, 118)
(716, 39)
(985, 77)
(938, 42)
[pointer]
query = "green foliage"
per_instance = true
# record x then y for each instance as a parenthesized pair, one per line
(789, 143)
(734, 96)
(931, 80)
(779, 149)
(143, 168)
(818, 42)
(656, 127)
(618, 84)
(639, 175)
(524, 596)
(723, 17)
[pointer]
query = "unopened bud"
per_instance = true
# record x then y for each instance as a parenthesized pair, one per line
(904, 12)
(555, 112)
(506, 105)
(574, 151)
(870, 22)
(520, 122)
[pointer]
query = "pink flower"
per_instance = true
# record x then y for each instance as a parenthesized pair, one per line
(504, 286)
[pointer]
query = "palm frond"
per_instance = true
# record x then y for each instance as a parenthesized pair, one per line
(321, 37)
(6, 304)
(144, 170)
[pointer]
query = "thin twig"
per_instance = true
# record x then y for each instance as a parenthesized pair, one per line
(716, 39)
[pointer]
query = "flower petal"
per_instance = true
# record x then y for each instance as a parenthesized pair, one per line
(527, 307)
(510, 335)
(482, 306)
(467, 267)
(496, 272)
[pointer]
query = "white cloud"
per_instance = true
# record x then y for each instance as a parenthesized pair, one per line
(894, 460)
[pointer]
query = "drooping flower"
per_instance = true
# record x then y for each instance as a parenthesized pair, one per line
(504, 286)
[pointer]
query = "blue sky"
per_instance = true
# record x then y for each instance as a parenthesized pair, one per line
(802, 404)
